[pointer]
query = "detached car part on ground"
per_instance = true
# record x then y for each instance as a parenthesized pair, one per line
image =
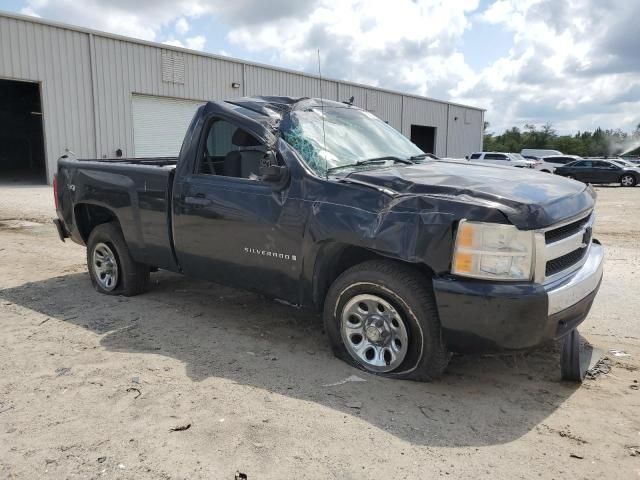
(325, 206)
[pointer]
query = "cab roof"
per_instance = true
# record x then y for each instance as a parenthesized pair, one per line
(274, 106)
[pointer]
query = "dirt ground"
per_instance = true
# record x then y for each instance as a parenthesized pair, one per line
(92, 386)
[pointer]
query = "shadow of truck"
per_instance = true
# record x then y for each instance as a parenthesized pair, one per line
(217, 331)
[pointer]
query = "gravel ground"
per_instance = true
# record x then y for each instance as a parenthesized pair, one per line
(93, 386)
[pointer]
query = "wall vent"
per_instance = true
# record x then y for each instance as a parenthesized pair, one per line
(172, 67)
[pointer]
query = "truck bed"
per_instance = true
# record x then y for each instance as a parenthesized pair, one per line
(137, 190)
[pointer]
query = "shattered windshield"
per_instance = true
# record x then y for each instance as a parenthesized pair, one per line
(350, 136)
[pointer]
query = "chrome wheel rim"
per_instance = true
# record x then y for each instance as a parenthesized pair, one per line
(105, 267)
(374, 333)
(627, 180)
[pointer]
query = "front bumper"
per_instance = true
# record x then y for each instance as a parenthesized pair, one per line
(482, 316)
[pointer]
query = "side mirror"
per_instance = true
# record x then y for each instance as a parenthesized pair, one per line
(273, 173)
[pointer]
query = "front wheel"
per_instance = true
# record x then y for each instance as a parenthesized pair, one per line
(111, 268)
(628, 181)
(381, 317)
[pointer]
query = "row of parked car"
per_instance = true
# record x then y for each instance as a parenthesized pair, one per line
(588, 170)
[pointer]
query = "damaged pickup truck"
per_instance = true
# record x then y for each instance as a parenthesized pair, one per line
(323, 205)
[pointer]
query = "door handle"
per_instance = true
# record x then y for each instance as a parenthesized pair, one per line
(198, 200)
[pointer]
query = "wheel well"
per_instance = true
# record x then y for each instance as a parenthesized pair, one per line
(337, 258)
(89, 216)
(628, 175)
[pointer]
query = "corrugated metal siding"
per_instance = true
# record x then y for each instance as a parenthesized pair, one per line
(465, 131)
(124, 69)
(416, 111)
(387, 106)
(263, 81)
(59, 60)
(88, 80)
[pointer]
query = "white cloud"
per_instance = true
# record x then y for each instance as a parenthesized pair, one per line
(548, 74)
(174, 43)
(411, 45)
(192, 43)
(182, 26)
(196, 43)
(29, 11)
(572, 62)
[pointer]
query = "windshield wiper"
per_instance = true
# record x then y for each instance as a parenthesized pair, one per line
(370, 161)
(422, 156)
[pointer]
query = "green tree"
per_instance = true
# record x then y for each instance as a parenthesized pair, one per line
(584, 143)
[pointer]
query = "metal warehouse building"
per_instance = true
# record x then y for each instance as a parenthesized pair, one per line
(102, 95)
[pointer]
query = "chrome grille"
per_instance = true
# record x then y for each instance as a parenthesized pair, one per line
(562, 249)
(565, 261)
(565, 231)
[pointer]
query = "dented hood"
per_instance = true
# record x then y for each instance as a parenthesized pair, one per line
(528, 198)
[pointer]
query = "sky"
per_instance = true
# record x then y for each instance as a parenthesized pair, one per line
(574, 63)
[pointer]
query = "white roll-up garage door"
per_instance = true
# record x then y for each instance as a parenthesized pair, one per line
(159, 124)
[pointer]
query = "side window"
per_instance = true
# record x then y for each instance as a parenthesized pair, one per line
(475, 156)
(494, 156)
(582, 164)
(230, 151)
(607, 165)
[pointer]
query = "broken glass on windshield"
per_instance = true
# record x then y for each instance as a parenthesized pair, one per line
(331, 137)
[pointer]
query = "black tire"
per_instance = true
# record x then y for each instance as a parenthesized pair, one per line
(633, 181)
(132, 277)
(409, 292)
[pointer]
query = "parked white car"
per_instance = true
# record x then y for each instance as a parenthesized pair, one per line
(503, 158)
(549, 163)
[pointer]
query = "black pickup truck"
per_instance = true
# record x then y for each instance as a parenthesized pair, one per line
(323, 205)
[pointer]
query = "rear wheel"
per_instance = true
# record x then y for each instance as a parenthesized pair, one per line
(111, 268)
(628, 181)
(381, 317)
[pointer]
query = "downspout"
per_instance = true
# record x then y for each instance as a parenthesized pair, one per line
(92, 65)
(402, 116)
(244, 77)
(446, 140)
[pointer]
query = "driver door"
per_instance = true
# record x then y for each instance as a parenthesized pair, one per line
(230, 225)
(582, 171)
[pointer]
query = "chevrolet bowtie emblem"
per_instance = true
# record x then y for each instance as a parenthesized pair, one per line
(586, 237)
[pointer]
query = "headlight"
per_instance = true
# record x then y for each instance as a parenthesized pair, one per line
(493, 251)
